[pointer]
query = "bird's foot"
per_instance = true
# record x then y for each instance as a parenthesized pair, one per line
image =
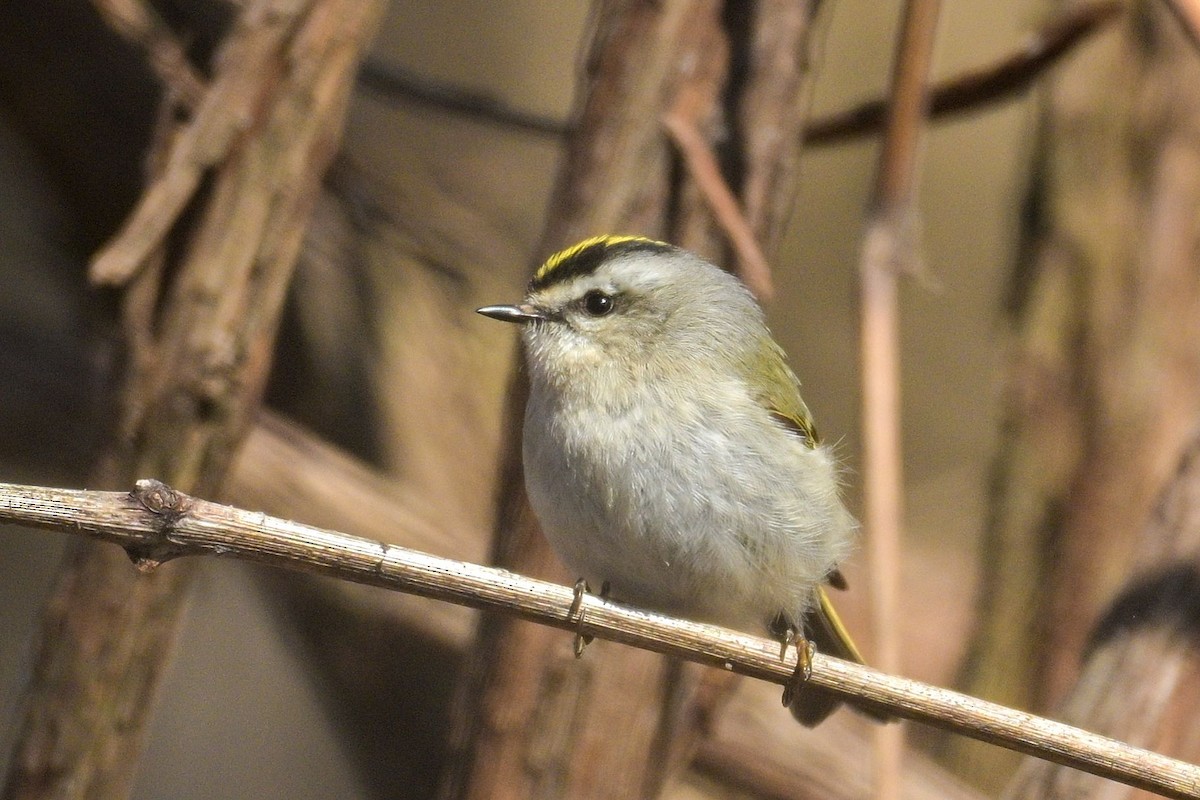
(582, 639)
(804, 658)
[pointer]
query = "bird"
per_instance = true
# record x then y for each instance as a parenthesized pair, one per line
(668, 453)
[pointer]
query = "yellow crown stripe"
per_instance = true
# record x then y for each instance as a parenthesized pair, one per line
(558, 259)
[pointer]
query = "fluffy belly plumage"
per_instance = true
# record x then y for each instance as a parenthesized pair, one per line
(728, 528)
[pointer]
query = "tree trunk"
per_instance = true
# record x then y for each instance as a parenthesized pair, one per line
(530, 719)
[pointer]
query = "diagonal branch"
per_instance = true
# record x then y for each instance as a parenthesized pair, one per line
(1012, 74)
(141, 24)
(681, 125)
(155, 523)
(1188, 14)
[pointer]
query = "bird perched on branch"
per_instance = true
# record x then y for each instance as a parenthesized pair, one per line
(668, 453)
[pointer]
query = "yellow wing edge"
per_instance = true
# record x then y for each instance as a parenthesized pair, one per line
(836, 628)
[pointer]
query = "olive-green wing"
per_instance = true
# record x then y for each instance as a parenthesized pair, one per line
(778, 390)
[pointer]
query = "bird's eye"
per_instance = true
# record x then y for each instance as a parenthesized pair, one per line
(597, 303)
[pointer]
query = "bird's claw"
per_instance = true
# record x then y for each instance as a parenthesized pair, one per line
(582, 640)
(804, 658)
(576, 610)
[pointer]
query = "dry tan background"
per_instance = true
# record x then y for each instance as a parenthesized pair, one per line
(240, 715)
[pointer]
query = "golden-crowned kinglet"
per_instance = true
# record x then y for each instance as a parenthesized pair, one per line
(668, 453)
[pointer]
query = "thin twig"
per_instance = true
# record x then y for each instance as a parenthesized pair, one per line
(1188, 14)
(775, 101)
(1011, 75)
(887, 246)
(680, 124)
(883, 504)
(155, 523)
(223, 114)
(139, 23)
(390, 80)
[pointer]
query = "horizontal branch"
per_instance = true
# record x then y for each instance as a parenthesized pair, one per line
(154, 524)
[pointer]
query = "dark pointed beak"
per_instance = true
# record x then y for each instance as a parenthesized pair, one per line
(519, 313)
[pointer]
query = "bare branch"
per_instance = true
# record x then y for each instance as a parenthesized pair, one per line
(1188, 14)
(1012, 74)
(221, 117)
(887, 247)
(155, 523)
(393, 81)
(1138, 681)
(141, 24)
(680, 124)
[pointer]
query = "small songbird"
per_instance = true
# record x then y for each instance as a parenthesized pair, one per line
(668, 453)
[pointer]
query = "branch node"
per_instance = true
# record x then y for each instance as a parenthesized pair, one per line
(166, 506)
(160, 500)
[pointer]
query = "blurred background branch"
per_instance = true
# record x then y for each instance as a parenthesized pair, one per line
(199, 325)
(889, 250)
